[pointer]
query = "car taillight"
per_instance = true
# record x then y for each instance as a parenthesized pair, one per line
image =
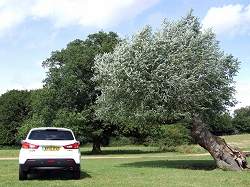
(27, 145)
(72, 146)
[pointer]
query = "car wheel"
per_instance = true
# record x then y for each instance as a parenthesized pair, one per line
(76, 175)
(23, 175)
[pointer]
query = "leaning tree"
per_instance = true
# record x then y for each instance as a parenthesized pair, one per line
(167, 74)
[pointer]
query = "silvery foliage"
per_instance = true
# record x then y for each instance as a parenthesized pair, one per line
(163, 74)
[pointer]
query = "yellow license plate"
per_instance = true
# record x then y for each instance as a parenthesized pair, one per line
(51, 148)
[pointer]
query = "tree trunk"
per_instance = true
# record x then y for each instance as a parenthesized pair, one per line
(226, 157)
(96, 145)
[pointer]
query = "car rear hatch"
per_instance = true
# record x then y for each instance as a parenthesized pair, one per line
(51, 142)
(55, 148)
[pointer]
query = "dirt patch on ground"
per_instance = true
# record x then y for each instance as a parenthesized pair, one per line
(128, 156)
(9, 158)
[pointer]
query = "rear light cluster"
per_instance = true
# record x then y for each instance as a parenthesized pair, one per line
(27, 145)
(72, 146)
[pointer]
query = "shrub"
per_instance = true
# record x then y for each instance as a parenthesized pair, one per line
(120, 141)
(170, 135)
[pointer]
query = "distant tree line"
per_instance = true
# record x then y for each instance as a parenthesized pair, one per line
(19, 112)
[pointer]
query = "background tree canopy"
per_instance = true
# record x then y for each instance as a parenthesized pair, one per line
(15, 108)
(241, 120)
(69, 89)
(70, 71)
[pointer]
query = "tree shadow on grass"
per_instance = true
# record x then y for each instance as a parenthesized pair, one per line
(55, 175)
(206, 165)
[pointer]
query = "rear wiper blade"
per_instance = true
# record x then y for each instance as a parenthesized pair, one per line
(57, 139)
(54, 138)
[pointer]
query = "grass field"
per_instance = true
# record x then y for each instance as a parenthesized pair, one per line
(134, 166)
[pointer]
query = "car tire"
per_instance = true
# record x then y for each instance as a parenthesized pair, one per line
(76, 174)
(23, 175)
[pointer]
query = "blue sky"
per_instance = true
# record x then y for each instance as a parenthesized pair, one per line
(30, 30)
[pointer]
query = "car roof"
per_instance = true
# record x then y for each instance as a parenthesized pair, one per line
(44, 128)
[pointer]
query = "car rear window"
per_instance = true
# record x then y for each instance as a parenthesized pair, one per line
(50, 134)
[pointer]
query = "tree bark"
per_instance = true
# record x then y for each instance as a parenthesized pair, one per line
(96, 145)
(226, 157)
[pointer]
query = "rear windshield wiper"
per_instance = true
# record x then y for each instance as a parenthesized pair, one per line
(55, 139)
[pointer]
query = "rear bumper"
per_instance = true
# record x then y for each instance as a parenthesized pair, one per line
(50, 164)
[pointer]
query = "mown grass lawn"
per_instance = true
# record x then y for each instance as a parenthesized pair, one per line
(132, 166)
(197, 171)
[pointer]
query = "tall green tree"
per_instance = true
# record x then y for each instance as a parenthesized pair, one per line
(15, 108)
(164, 75)
(70, 86)
(241, 120)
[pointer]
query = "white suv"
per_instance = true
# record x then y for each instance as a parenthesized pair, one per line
(49, 148)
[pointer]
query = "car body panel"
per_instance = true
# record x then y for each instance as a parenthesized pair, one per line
(49, 148)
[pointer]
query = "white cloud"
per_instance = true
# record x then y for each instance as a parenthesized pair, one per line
(30, 45)
(108, 13)
(243, 93)
(21, 81)
(228, 20)
(62, 13)
(11, 14)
